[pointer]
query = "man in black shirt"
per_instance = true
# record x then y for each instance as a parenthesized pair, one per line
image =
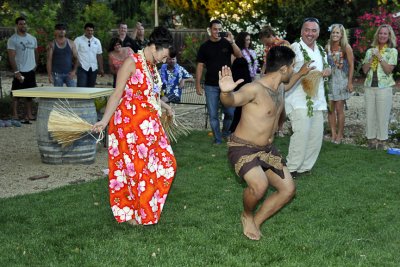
(122, 35)
(213, 54)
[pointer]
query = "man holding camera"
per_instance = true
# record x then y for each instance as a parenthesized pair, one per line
(213, 55)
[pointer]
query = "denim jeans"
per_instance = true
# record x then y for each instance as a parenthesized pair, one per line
(86, 78)
(213, 104)
(60, 78)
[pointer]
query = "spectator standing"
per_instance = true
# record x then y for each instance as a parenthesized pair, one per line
(378, 64)
(126, 41)
(243, 41)
(341, 60)
(213, 55)
(116, 56)
(173, 77)
(62, 59)
(90, 57)
(268, 37)
(23, 57)
(139, 41)
(306, 140)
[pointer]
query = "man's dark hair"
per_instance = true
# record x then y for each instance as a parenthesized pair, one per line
(60, 26)
(172, 53)
(279, 56)
(89, 25)
(266, 32)
(19, 19)
(214, 21)
(241, 40)
(161, 37)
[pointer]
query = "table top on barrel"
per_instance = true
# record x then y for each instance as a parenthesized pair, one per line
(63, 92)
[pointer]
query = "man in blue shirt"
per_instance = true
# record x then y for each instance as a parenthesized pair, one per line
(173, 77)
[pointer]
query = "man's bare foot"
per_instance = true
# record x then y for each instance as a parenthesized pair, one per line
(132, 222)
(249, 227)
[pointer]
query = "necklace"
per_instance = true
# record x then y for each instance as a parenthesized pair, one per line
(375, 61)
(155, 82)
(307, 58)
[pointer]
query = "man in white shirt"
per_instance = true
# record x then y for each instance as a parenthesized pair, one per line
(90, 57)
(306, 141)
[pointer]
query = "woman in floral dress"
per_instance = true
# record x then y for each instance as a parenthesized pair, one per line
(141, 162)
(341, 60)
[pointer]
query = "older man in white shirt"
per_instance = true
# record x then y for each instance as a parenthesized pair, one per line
(307, 124)
(90, 57)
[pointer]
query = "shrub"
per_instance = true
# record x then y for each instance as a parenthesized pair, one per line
(368, 24)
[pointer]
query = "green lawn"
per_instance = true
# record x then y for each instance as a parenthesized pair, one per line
(345, 214)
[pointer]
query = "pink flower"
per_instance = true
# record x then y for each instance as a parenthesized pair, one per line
(117, 117)
(163, 142)
(120, 133)
(115, 184)
(113, 151)
(142, 151)
(138, 77)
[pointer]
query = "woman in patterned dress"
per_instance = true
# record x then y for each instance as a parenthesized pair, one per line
(141, 162)
(341, 60)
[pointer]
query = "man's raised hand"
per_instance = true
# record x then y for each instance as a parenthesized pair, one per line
(226, 83)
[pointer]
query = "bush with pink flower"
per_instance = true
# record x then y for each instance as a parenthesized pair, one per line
(368, 24)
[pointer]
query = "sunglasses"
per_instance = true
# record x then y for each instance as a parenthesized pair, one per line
(311, 20)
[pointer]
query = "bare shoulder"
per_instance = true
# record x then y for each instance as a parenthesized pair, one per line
(348, 48)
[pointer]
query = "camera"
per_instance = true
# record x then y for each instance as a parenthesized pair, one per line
(223, 34)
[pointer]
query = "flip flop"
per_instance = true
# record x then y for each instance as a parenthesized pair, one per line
(26, 122)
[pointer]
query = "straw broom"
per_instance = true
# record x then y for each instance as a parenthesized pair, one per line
(173, 127)
(311, 82)
(65, 126)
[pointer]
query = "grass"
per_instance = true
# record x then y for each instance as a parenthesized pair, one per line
(345, 214)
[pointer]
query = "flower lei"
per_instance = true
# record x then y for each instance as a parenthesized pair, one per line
(155, 84)
(310, 103)
(251, 61)
(375, 61)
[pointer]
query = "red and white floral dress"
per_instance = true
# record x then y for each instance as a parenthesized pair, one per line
(141, 161)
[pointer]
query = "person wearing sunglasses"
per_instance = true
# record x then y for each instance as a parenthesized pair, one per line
(306, 115)
(90, 57)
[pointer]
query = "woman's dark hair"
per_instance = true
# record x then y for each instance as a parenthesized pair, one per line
(161, 37)
(279, 56)
(113, 42)
(241, 40)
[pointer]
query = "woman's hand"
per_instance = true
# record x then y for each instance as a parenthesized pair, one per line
(350, 87)
(99, 126)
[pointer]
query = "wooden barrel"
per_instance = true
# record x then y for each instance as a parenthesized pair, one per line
(82, 150)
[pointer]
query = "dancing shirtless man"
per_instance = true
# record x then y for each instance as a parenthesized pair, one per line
(250, 151)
